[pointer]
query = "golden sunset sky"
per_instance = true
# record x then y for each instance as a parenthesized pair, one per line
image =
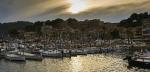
(106, 10)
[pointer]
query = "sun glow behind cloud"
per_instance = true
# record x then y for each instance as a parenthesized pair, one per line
(77, 6)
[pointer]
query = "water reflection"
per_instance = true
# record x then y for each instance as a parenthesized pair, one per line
(95, 63)
(90, 63)
(76, 64)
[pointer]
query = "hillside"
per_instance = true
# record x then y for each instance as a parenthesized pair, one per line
(14, 25)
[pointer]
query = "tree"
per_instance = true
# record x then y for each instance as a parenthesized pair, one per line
(107, 35)
(71, 20)
(13, 32)
(48, 22)
(134, 20)
(115, 34)
(29, 28)
(56, 23)
(37, 27)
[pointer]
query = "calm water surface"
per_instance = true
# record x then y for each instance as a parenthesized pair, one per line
(89, 63)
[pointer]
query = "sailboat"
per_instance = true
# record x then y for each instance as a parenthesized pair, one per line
(13, 56)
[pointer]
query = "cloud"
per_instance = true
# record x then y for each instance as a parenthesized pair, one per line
(26, 9)
(32, 10)
(122, 8)
(115, 12)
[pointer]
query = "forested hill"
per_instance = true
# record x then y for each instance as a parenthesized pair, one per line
(14, 25)
(73, 24)
(134, 20)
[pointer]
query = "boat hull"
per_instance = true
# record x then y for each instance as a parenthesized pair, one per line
(15, 58)
(38, 58)
(139, 64)
(52, 55)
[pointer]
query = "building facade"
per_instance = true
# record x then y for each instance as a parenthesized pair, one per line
(146, 30)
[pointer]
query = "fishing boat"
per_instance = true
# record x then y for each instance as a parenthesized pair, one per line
(81, 52)
(73, 52)
(66, 53)
(52, 53)
(93, 50)
(30, 56)
(140, 61)
(14, 57)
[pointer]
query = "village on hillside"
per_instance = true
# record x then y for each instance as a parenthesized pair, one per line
(58, 38)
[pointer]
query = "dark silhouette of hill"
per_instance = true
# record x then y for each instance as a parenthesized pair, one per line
(134, 20)
(73, 24)
(14, 25)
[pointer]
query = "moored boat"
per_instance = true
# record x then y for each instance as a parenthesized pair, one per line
(30, 56)
(140, 61)
(52, 53)
(14, 57)
(81, 52)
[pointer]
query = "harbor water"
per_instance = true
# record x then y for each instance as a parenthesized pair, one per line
(89, 63)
